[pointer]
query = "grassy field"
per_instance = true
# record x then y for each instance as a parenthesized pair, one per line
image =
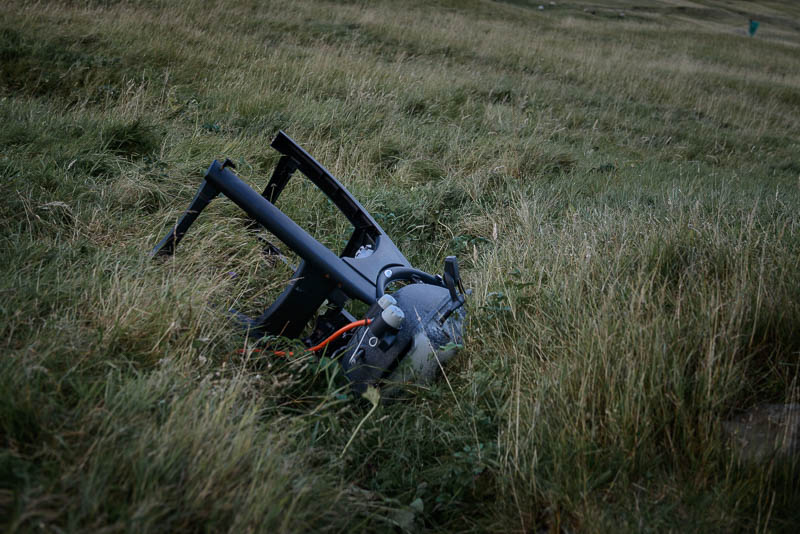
(621, 185)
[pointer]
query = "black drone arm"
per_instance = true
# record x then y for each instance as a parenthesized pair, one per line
(322, 274)
(330, 186)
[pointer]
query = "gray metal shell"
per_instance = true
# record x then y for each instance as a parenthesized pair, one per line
(432, 329)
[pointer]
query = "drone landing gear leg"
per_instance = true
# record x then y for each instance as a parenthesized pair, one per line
(204, 196)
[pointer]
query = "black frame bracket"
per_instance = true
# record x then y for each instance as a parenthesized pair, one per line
(321, 274)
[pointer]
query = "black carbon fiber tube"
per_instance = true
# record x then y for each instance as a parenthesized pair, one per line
(289, 232)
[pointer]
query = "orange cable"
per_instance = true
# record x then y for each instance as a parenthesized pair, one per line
(342, 330)
(315, 348)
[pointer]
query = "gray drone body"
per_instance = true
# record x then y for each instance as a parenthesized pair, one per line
(407, 335)
(415, 347)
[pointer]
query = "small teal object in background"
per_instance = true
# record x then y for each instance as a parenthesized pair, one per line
(753, 27)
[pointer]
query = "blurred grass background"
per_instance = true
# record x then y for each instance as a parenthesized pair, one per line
(619, 181)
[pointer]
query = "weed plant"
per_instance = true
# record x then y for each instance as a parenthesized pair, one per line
(622, 192)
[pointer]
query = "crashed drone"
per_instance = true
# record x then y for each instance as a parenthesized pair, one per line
(405, 335)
